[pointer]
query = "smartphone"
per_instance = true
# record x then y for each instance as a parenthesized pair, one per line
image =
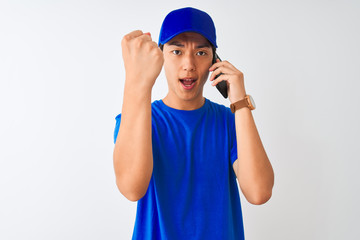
(221, 86)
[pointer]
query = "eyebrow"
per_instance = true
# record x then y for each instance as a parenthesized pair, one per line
(176, 43)
(205, 45)
(179, 44)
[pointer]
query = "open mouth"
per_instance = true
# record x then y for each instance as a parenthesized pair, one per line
(188, 83)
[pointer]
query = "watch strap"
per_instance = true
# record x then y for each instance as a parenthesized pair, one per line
(239, 104)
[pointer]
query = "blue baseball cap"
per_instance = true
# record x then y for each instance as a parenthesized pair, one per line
(187, 20)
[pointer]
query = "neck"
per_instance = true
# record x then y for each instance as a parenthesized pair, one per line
(181, 104)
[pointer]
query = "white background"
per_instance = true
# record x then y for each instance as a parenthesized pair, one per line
(62, 80)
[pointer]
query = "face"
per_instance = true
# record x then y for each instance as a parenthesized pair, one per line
(187, 59)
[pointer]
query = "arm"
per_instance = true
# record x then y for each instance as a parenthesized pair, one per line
(252, 168)
(133, 161)
(132, 155)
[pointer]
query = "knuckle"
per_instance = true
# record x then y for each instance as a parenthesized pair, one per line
(155, 53)
(135, 33)
(148, 47)
(159, 56)
(147, 37)
(137, 42)
(159, 52)
(138, 32)
(125, 39)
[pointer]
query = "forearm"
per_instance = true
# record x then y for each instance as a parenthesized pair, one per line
(133, 162)
(255, 173)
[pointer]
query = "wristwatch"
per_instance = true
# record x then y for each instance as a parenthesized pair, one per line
(248, 101)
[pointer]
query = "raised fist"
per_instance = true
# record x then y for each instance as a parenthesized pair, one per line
(143, 59)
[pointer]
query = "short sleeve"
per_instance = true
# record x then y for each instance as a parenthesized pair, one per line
(233, 142)
(117, 126)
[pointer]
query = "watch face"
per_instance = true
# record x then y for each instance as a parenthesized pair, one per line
(252, 101)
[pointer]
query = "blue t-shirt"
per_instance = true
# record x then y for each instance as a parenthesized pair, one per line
(193, 193)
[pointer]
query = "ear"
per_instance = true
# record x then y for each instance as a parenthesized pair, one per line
(213, 60)
(215, 57)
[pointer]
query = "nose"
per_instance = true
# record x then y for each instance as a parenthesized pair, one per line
(189, 63)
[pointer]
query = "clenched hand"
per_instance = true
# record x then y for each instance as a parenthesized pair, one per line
(143, 60)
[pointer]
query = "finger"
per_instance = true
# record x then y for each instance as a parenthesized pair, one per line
(220, 70)
(219, 79)
(218, 64)
(145, 37)
(215, 65)
(139, 42)
(153, 45)
(229, 65)
(221, 64)
(214, 74)
(133, 34)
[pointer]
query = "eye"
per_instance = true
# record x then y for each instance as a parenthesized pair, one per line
(201, 53)
(176, 52)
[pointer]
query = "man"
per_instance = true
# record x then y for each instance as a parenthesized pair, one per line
(179, 157)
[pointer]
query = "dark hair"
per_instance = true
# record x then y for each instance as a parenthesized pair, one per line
(161, 46)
